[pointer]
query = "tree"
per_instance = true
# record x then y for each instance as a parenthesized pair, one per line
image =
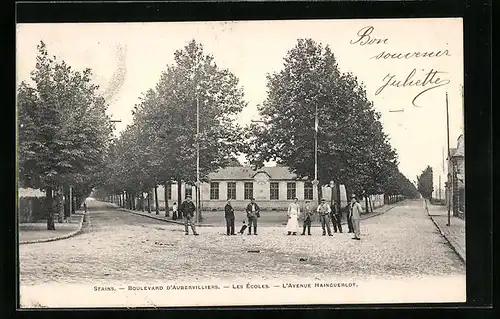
(352, 147)
(398, 184)
(160, 145)
(425, 183)
(63, 130)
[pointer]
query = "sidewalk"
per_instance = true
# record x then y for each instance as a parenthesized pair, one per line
(268, 218)
(455, 233)
(160, 216)
(30, 233)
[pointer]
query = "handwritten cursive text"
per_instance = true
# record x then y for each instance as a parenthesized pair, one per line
(410, 55)
(365, 38)
(432, 80)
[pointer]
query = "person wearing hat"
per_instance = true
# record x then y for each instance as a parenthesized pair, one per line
(253, 212)
(324, 216)
(307, 218)
(187, 209)
(229, 215)
(355, 210)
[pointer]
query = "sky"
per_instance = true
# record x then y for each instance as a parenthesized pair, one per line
(128, 58)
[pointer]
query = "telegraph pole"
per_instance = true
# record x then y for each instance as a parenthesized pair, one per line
(197, 158)
(316, 124)
(448, 142)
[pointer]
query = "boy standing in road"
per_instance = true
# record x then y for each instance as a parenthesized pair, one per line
(187, 210)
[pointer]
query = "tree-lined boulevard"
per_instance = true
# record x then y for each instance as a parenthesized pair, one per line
(120, 249)
(315, 120)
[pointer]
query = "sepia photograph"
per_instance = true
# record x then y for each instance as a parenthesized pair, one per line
(240, 163)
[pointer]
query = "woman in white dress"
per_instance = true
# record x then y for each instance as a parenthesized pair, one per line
(293, 218)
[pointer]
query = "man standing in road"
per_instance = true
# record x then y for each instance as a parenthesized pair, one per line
(253, 212)
(355, 210)
(187, 209)
(336, 217)
(229, 215)
(349, 219)
(307, 217)
(324, 213)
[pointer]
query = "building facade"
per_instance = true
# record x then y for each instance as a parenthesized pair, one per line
(273, 188)
(456, 179)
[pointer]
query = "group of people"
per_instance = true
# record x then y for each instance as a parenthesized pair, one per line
(326, 214)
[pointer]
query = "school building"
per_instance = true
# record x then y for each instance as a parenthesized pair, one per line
(272, 187)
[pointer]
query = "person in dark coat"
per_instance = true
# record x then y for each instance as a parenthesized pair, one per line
(336, 217)
(349, 219)
(307, 218)
(187, 209)
(229, 215)
(253, 212)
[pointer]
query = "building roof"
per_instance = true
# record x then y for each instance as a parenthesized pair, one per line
(247, 173)
(460, 146)
(452, 152)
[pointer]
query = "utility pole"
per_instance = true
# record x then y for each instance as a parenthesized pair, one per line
(439, 189)
(316, 124)
(197, 157)
(448, 142)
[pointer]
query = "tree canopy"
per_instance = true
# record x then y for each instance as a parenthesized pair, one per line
(352, 148)
(160, 145)
(425, 183)
(63, 128)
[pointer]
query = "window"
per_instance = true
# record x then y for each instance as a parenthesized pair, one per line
(308, 191)
(248, 190)
(274, 191)
(290, 191)
(188, 191)
(169, 191)
(231, 190)
(214, 190)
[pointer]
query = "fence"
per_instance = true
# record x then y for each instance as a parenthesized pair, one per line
(31, 209)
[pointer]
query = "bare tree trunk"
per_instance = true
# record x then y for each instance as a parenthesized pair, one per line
(198, 199)
(149, 201)
(320, 193)
(367, 208)
(165, 191)
(370, 202)
(49, 208)
(157, 209)
(337, 195)
(141, 201)
(179, 199)
(59, 204)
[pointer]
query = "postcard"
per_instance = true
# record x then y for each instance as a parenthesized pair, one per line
(241, 163)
